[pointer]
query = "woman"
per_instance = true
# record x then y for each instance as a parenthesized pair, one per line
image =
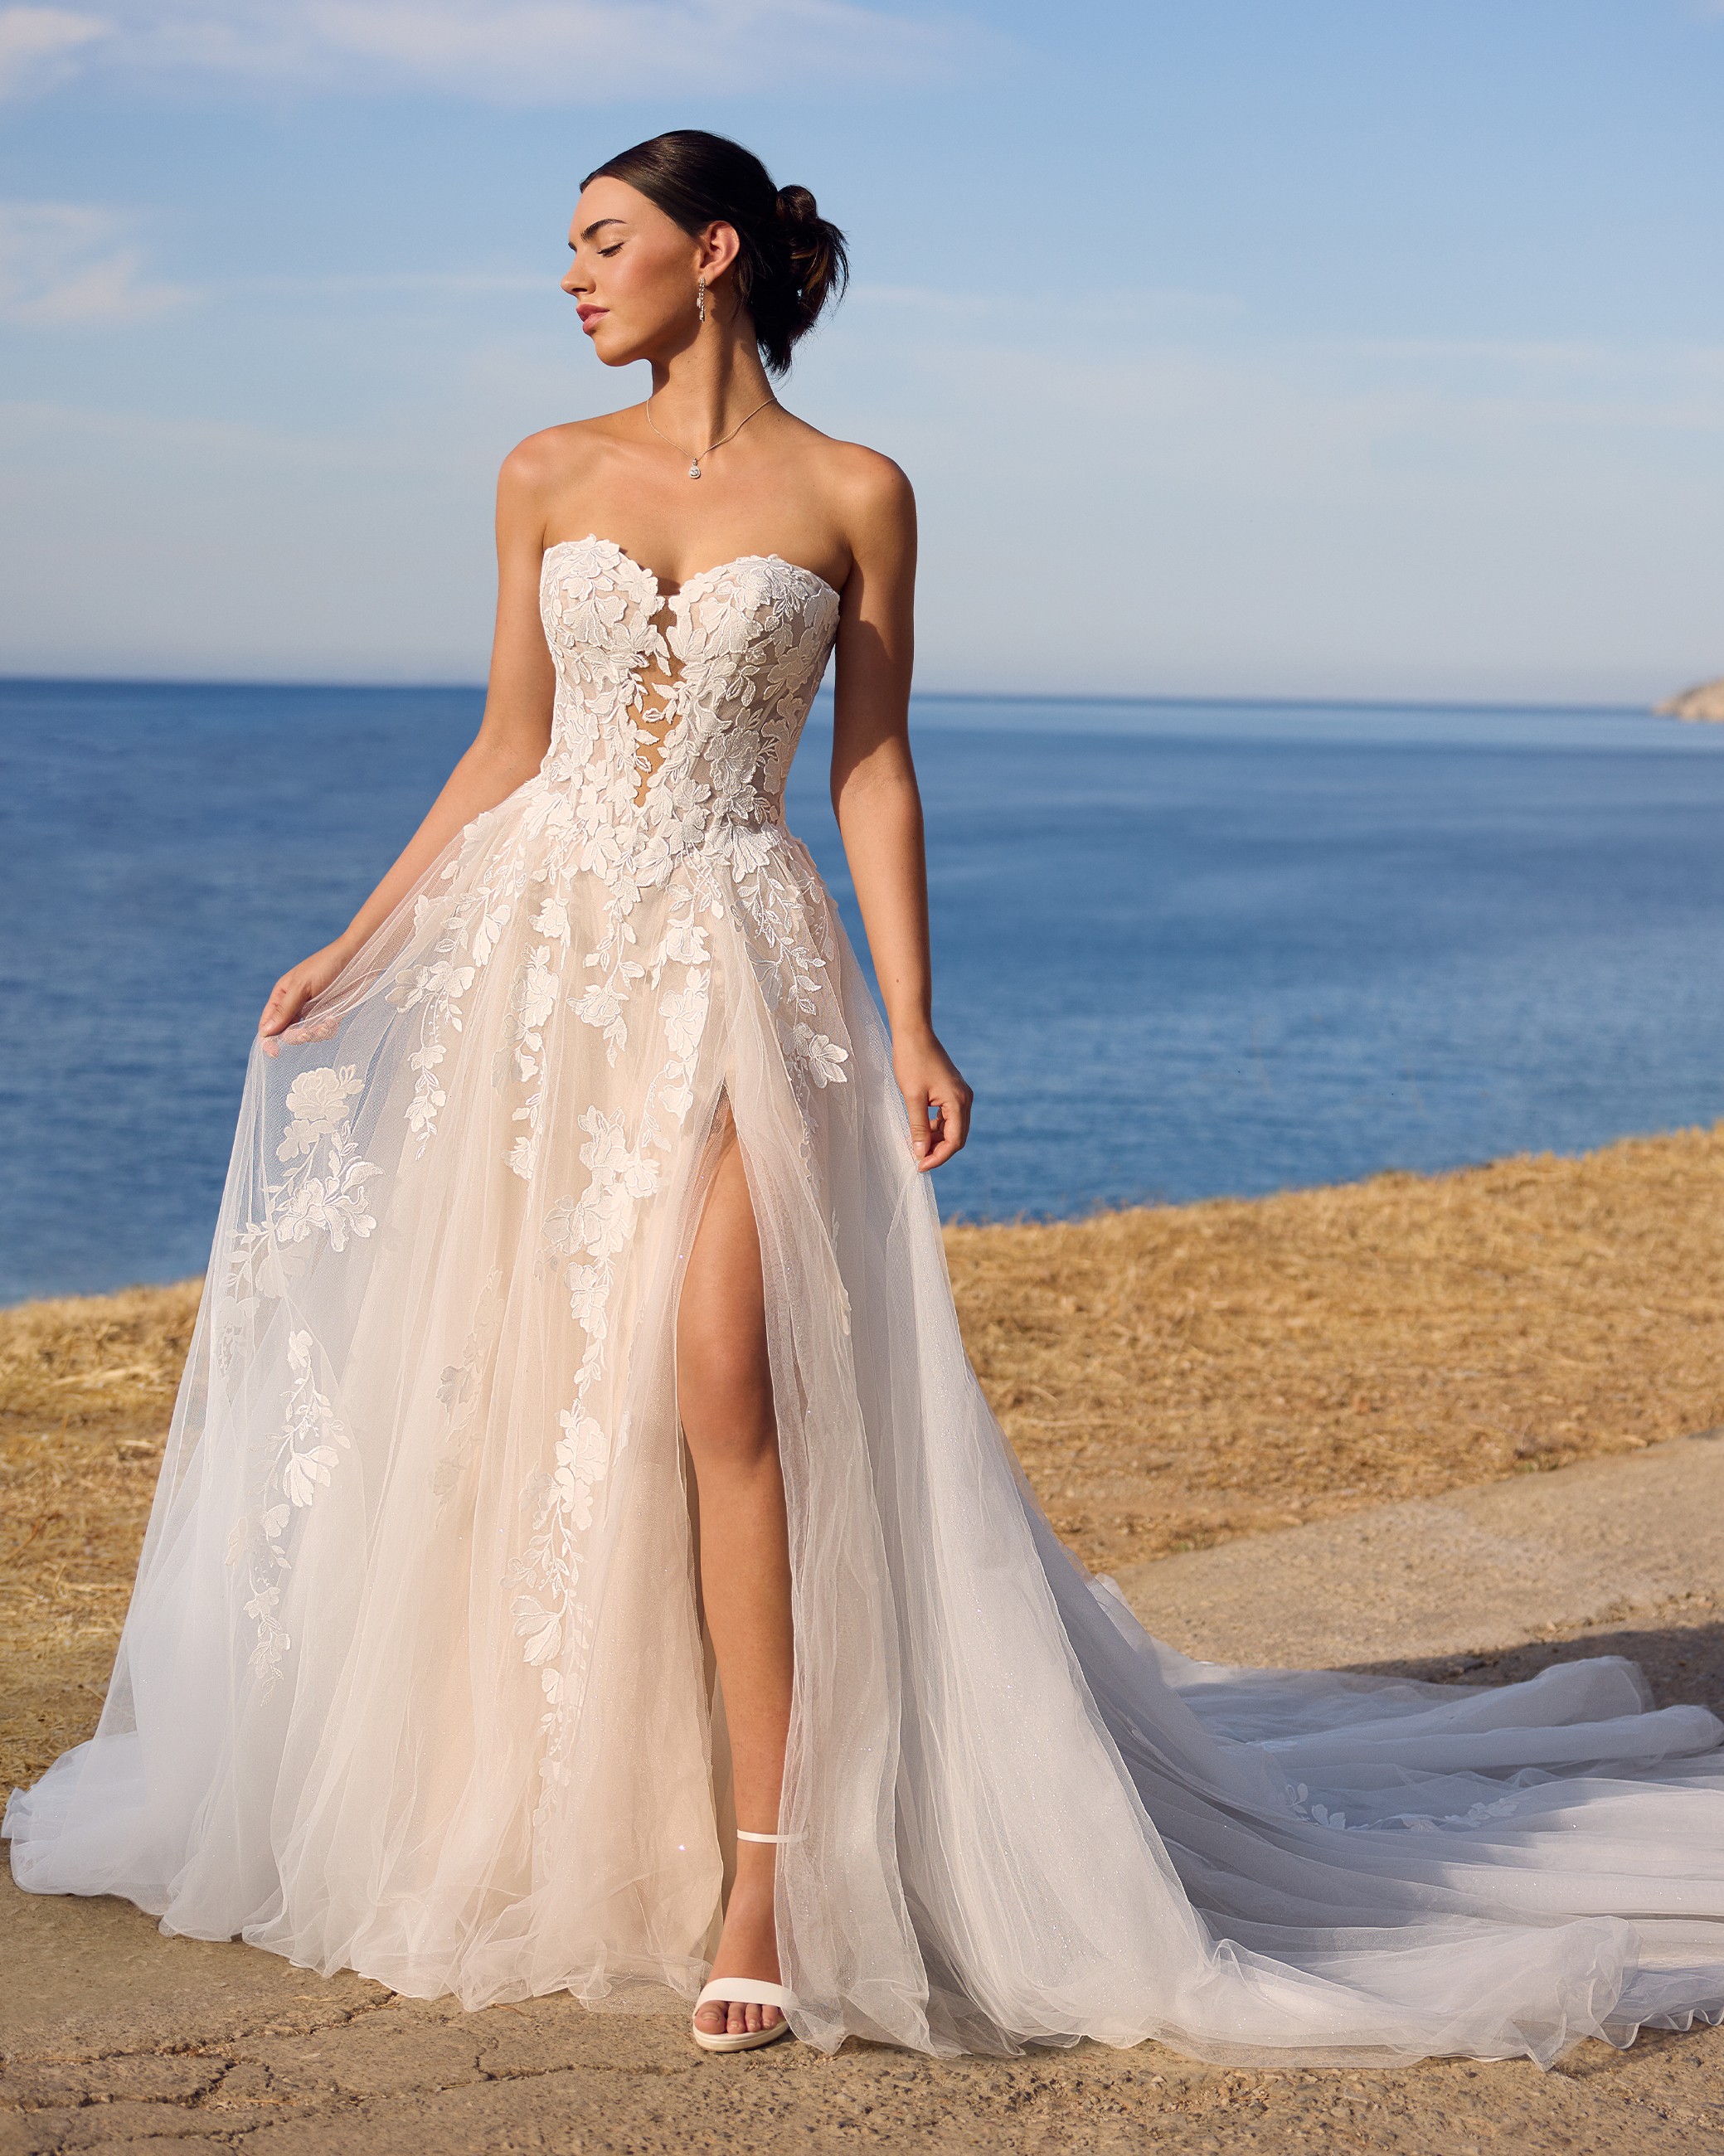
(584, 1559)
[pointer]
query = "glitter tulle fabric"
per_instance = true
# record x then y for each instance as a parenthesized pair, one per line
(413, 1679)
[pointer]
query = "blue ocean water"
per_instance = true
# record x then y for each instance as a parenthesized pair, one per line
(1181, 949)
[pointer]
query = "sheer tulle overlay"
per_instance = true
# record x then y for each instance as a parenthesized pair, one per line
(413, 1679)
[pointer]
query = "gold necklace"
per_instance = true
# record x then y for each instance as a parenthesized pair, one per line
(695, 466)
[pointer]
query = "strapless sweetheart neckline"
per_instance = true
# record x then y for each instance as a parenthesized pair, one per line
(688, 583)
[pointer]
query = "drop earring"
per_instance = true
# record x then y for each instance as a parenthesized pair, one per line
(700, 298)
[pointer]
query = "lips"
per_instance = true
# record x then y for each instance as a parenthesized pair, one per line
(589, 316)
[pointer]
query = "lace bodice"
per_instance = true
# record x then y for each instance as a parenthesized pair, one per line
(674, 722)
(677, 716)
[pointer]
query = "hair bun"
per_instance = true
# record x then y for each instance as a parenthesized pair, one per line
(796, 206)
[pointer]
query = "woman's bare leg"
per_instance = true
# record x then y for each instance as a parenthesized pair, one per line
(725, 1392)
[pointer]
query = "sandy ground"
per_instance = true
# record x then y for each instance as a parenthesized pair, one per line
(1479, 1398)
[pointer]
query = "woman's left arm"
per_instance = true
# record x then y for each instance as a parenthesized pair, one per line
(877, 803)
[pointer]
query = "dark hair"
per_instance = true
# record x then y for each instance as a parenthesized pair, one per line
(791, 262)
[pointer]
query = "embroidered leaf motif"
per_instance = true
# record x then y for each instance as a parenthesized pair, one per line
(306, 1454)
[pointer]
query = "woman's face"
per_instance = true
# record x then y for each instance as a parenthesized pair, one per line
(634, 271)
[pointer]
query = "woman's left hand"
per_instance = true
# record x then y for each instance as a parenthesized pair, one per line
(937, 1096)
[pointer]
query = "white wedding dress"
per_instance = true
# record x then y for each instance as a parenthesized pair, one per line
(413, 1680)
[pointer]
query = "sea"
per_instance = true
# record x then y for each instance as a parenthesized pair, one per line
(1182, 949)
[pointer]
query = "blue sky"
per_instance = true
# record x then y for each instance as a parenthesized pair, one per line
(1237, 346)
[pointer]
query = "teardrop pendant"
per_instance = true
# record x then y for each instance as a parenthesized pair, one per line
(694, 468)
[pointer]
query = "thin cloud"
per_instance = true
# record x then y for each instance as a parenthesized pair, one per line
(72, 265)
(506, 51)
(409, 283)
(38, 45)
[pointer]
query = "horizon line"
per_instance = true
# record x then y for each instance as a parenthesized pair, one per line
(1160, 697)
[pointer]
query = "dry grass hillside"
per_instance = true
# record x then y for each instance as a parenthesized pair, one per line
(1173, 1376)
(1169, 1377)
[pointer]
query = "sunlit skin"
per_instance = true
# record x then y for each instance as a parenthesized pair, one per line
(778, 487)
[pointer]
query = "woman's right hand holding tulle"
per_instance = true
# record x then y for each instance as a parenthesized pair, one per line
(298, 986)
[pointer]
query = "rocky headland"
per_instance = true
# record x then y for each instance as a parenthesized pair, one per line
(1705, 700)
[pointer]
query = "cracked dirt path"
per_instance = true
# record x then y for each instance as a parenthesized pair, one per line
(119, 2039)
(113, 2038)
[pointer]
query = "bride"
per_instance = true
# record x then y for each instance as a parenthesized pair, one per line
(584, 1557)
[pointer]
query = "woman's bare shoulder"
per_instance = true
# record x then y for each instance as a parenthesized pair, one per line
(555, 457)
(869, 494)
(856, 473)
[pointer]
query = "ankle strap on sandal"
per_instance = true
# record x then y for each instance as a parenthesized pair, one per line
(743, 1835)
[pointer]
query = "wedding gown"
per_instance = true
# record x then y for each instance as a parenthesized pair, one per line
(413, 1680)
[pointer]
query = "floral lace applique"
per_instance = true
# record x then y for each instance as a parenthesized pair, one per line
(585, 1235)
(306, 1453)
(1417, 1822)
(472, 921)
(670, 751)
(318, 1197)
(334, 1202)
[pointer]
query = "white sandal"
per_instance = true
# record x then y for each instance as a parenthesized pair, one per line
(745, 1991)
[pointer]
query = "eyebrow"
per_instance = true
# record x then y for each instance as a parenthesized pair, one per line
(598, 224)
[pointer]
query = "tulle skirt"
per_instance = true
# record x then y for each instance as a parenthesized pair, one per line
(414, 1680)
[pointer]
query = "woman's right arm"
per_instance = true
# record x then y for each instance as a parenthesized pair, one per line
(508, 749)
